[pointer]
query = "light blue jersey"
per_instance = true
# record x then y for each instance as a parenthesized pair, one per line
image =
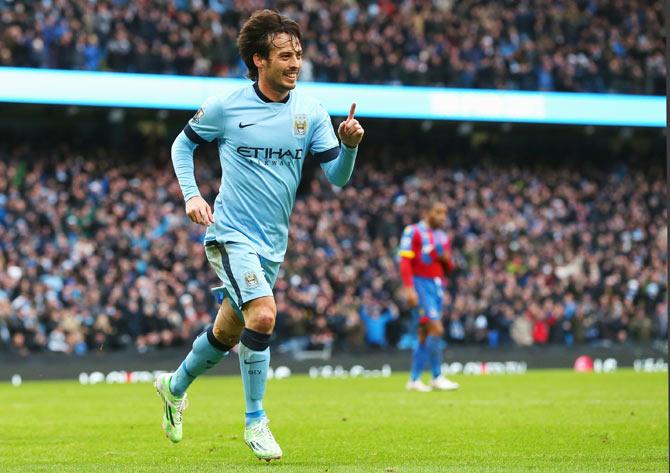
(262, 148)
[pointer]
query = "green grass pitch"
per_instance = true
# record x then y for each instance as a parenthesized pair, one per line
(541, 421)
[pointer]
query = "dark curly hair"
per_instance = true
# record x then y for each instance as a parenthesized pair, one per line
(257, 34)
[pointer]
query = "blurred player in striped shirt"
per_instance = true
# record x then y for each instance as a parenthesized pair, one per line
(425, 260)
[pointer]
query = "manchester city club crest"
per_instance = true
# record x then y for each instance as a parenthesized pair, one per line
(300, 125)
(251, 280)
(198, 115)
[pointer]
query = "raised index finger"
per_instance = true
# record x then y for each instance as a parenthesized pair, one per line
(352, 110)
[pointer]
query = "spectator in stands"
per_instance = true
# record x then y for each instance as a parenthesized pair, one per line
(375, 318)
(95, 254)
(563, 45)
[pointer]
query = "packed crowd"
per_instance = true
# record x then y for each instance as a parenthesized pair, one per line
(98, 255)
(563, 45)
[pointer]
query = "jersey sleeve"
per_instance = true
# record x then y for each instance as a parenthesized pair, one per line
(447, 246)
(407, 254)
(406, 243)
(442, 244)
(324, 144)
(444, 251)
(207, 123)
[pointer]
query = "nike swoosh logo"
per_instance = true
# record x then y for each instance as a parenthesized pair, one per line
(245, 125)
(252, 362)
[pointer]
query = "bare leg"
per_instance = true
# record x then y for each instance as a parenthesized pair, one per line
(208, 349)
(227, 325)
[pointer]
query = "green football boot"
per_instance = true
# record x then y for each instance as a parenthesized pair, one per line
(173, 407)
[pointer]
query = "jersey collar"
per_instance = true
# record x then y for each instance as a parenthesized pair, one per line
(265, 99)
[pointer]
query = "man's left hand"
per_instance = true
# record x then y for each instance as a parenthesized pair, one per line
(350, 131)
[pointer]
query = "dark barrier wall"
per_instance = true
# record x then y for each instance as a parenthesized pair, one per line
(467, 360)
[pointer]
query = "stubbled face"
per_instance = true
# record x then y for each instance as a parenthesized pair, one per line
(281, 69)
(437, 215)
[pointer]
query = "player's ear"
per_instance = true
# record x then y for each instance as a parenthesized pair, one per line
(258, 60)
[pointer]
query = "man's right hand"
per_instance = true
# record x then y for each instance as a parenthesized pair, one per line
(411, 297)
(199, 211)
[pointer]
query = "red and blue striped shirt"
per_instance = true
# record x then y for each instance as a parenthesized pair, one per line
(424, 252)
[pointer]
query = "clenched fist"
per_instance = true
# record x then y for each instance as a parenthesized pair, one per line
(199, 211)
(411, 297)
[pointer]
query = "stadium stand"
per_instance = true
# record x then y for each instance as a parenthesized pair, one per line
(550, 45)
(97, 254)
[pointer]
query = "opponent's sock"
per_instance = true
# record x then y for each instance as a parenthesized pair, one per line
(418, 360)
(207, 351)
(254, 353)
(434, 348)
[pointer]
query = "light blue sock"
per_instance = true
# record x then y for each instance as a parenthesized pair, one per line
(434, 348)
(254, 367)
(418, 360)
(251, 417)
(203, 356)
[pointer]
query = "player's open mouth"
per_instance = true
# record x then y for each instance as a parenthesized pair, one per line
(292, 76)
